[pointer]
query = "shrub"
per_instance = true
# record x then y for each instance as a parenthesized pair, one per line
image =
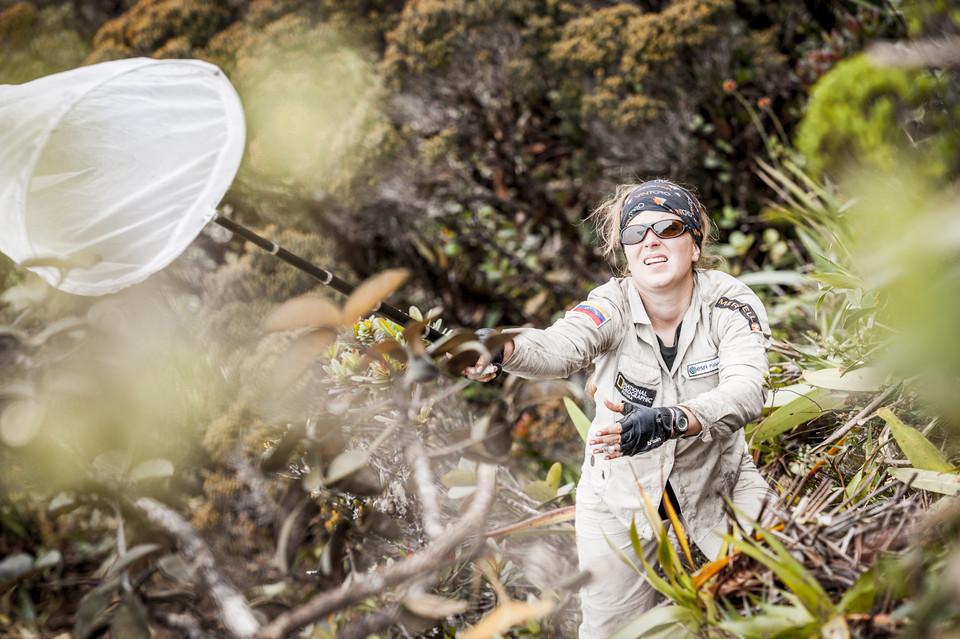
(871, 115)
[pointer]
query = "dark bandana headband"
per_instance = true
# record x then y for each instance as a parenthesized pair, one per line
(660, 195)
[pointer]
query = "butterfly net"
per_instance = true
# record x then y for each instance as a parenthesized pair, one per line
(116, 167)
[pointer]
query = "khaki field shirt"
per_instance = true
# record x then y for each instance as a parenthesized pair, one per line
(718, 374)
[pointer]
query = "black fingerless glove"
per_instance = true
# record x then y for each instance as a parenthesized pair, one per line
(496, 355)
(645, 428)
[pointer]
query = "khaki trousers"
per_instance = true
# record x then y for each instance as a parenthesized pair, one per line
(617, 594)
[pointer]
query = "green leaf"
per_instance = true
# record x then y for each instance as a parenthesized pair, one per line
(90, 615)
(791, 572)
(860, 380)
(13, 566)
(651, 574)
(838, 280)
(292, 533)
(176, 567)
(540, 491)
(48, 560)
(931, 480)
(554, 475)
(853, 486)
(770, 621)
(132, 556)
(579, 419)
(130, 620)
(782, 396)
(918, 449)
(677, 621)
(459, 477)
(859, 598)
(781, 278)
(799, 411)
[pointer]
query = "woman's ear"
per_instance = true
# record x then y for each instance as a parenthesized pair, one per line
(696, 253)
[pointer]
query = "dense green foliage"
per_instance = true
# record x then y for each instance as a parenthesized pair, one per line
(887, 116)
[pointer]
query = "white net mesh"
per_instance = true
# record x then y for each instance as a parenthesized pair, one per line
(120, 163)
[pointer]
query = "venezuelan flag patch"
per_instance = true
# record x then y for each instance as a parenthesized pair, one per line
(596, 314)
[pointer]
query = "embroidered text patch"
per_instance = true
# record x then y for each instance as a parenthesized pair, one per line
(699, 369)
(745, 309)
(596, 314)
(634, 393)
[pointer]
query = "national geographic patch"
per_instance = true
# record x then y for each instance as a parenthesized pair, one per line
(634, 393)
(745, 309)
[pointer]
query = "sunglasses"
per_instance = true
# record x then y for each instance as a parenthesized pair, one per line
(664, 229)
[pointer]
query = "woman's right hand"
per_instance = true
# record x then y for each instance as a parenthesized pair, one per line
(482, 371)
(490, 365)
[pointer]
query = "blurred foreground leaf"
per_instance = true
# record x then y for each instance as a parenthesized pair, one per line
(430, 606)
(507, 615)
(303, 311)
(345, 464)
(861, 380)
(152, 469)
(370, 293)
(20, 422)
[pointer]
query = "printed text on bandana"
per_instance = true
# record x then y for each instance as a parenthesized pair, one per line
(745, 309)
(634, 393)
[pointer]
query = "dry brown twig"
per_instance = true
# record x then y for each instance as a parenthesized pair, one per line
(235, 613)
(428, 561)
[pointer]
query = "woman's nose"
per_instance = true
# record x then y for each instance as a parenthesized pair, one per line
(650, 238)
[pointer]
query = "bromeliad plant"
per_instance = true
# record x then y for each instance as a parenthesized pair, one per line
(695, 610)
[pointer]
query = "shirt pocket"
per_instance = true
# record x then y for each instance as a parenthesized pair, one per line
(637, 382)
(700, 373)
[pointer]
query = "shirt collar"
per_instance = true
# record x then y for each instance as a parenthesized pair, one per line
(639, 314)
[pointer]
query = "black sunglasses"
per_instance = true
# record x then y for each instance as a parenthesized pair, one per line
(664, 229)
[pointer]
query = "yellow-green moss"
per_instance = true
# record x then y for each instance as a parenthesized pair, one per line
(857, 116)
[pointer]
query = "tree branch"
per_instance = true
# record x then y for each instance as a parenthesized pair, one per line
(185, 624)
(235, 614)
(427, 487)
(432, 559)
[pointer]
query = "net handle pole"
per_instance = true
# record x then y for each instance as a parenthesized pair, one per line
(324, 277)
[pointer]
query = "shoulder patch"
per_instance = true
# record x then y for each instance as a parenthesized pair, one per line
(745, 309)
(596, 314)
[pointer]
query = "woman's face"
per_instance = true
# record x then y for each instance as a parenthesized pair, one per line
(660, 264)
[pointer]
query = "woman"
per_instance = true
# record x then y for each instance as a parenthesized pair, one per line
(680, 355)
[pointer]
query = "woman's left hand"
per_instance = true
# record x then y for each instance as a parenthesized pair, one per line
(607, 439)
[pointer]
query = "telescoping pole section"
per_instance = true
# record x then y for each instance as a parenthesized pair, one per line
(325, 277)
